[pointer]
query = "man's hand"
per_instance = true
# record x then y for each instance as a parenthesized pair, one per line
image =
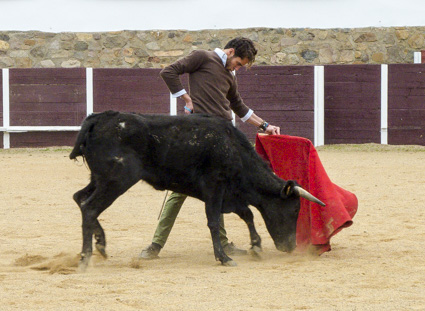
(273, 130)
(188, 108)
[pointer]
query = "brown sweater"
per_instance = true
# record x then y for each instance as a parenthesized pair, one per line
(212, 87)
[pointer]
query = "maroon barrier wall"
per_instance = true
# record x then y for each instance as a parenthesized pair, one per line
(1, 98)
(46, 97)
(284, 96)
(352, 104)
(406, 104)
(130, 90)
(42, 139)
(1, 106)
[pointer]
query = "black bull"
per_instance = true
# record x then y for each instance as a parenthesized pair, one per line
(200, 156)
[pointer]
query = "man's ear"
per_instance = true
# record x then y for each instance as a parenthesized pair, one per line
(231, 52)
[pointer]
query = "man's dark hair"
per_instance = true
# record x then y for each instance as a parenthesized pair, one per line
(244, 48)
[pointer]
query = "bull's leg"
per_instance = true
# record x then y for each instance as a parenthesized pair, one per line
(80, 197)
(213, 211)
(246, 214)
(99, 235)
(104, 195)
(117, 176)
(101, 199)
(89, 214)
(214, 226)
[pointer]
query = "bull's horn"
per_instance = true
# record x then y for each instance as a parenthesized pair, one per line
(307, 195)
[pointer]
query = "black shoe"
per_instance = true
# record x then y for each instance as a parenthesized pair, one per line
(231, 249)
(150, 252)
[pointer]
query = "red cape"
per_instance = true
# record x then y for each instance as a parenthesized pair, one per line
(296, 158)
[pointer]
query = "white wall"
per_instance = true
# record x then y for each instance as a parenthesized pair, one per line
(110, 15)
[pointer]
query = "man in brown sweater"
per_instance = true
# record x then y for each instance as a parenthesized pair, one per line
(214, 91)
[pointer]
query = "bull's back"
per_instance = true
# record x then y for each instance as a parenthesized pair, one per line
(170, 150)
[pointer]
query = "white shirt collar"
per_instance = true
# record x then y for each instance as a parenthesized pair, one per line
(222, 55)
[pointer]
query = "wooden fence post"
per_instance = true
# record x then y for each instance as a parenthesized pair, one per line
(319, 105)
(89, 91)
(173, 105)
(384, 104)
(6, 110)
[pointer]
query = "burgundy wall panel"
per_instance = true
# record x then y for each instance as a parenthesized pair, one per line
(42, 139)
(283, 96)
(131, 90)
(1, 107)
(406, 104)
(47, 97)
(1, 102)
(352, 104)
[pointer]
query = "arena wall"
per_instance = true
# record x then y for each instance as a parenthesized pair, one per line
(48, 79)
(283, 95)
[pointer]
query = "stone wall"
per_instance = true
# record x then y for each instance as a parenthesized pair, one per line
(144, 49)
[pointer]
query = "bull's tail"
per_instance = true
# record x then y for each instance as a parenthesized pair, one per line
(81, 141)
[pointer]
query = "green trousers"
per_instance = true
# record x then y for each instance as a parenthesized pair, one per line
(168, 217)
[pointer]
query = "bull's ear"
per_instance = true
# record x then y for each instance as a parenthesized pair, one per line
(288, 189)
(292, 188)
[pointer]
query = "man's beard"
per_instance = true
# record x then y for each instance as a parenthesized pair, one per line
(228, 62)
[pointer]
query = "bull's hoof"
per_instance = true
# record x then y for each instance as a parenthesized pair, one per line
(102, 250)
(255, 252)
(83, 263)
(229, 263)
(82, 266)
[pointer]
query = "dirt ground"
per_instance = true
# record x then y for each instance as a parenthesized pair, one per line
(376, 264)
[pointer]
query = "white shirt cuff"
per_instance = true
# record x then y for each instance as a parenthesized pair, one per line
(248, 115)
(178, 94)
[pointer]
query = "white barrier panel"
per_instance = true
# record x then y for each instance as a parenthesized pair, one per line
(417, 57)
(6, 111)
(384, 104)
(173, 105)
(89, 91)
(319, 106)
(23, 129)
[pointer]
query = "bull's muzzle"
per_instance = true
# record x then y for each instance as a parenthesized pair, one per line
(287, 247)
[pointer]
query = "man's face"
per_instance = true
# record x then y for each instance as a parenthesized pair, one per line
(234, 63)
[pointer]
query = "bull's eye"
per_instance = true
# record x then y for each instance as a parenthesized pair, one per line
(288, 190)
